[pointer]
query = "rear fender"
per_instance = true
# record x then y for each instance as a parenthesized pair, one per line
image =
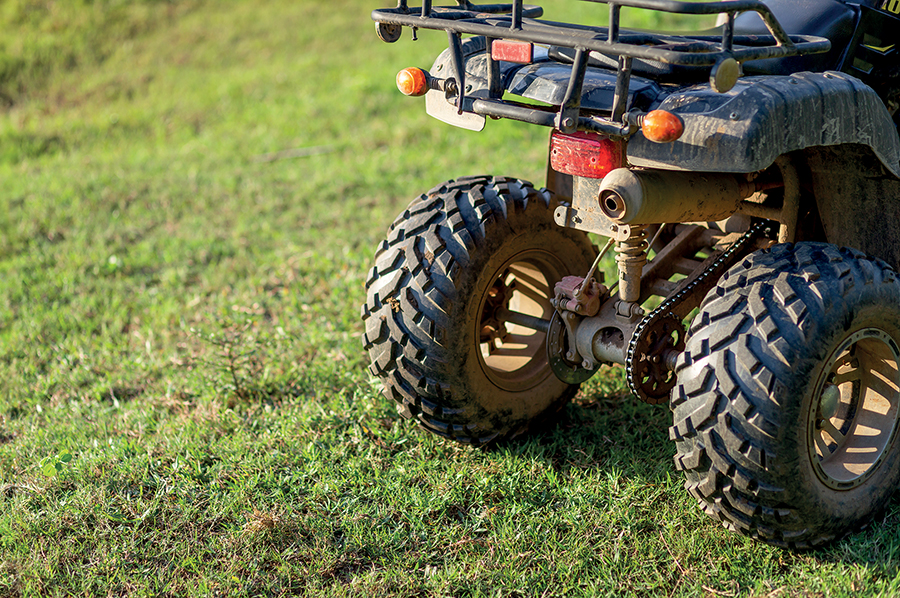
(761, 118)
(858, 202)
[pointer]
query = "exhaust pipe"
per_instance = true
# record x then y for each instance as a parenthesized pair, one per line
(657, 196)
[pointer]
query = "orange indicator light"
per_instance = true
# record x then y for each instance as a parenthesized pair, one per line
(661, 126)
(412, 82)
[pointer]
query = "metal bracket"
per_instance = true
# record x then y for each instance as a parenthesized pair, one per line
(459, 70)
(585, 214)
(567, 119)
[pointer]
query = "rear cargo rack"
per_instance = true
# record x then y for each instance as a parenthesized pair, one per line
(520, 22)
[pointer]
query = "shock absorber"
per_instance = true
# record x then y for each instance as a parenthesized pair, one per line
(631, 257)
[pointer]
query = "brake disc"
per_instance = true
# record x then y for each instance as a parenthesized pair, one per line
(557, 347)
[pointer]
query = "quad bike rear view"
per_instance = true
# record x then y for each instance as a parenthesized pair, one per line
(747, 179)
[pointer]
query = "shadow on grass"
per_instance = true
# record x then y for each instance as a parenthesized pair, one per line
(615, 432)
(620, 434)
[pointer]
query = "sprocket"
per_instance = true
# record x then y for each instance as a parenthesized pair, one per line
(661, 340)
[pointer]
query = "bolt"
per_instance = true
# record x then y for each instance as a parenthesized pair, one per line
(734, 116)
(587, 364)
(570, 355)
(568, 121)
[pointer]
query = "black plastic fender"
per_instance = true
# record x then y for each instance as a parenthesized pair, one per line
(761, 118)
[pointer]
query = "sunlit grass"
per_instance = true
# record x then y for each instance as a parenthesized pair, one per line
(192, 194)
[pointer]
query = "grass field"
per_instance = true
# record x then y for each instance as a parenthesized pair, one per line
(192, 193)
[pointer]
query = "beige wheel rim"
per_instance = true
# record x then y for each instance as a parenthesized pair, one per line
(514, 356)
(853, 416)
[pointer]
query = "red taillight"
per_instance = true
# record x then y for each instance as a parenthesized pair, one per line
(585, 154)
(412, 82)
(518, 52)
(661, 126)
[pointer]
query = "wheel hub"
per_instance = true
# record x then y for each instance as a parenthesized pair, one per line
(492, 329)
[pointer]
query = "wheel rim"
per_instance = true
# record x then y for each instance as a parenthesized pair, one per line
(514, 356)
(853, 417)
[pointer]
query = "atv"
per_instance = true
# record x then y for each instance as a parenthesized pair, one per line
(747, 179)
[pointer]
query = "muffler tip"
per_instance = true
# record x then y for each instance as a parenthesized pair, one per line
(612, 204)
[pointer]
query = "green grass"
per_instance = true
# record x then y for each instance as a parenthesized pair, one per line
(191, 197)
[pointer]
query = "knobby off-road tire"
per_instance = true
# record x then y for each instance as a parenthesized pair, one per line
(785, 412)
(437, 331)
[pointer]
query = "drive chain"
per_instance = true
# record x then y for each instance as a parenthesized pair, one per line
(666, 307)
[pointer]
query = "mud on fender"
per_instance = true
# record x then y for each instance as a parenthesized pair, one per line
(761, 118)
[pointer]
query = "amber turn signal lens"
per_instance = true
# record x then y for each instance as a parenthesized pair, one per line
(661, 126)
(412, 82)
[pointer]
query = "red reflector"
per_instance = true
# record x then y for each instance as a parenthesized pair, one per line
(585, 154)
(518, 52)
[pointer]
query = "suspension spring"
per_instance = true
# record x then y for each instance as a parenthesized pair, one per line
(631, 257)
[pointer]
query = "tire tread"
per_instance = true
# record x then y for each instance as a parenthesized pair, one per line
(726, 416)
(416, 282)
